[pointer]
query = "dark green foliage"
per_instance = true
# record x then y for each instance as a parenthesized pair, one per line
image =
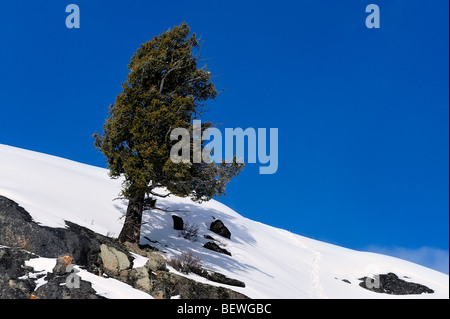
(165, 89)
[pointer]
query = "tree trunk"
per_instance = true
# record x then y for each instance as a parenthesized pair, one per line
(131, 230)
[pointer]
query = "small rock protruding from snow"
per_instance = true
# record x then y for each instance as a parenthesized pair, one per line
(214, 247)
(178, 223)
(219, 228)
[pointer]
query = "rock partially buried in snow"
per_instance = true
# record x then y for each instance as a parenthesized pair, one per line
(391, 284)
(178, 223)
(214, 247)
(219, 228)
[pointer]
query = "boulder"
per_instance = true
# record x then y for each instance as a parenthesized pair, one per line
(219, 228)
(391, 284)
(221, 278)
(113, 260)
(142, 279)
(178, 223)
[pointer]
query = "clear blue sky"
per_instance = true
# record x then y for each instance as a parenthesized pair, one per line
(363, 114)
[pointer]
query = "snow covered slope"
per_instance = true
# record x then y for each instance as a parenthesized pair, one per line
(273, 263)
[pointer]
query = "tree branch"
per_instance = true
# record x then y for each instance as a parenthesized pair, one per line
(170, 211)
(164, 78)
(159, 195)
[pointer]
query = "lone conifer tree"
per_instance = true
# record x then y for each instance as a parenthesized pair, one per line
(165, 89)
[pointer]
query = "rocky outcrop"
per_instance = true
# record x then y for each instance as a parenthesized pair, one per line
(164, 284)
(22, 239)
(391, 284)
(18, 281)
(11, 269)
(18, 230)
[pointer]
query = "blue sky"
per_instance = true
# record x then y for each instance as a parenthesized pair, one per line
(362, 113)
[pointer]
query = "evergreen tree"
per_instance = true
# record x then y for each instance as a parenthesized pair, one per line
(165, 89)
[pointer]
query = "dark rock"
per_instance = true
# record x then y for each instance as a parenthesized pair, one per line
(164, 285)
(221, 278)
(214, 247)
(219, 228)
(218, 277)
(346, 280)
(169, 284)
(56, 288)
(178, 223)
(391, 284)
(11, 268)
(17, 281)
(208, 237)
(18, 230)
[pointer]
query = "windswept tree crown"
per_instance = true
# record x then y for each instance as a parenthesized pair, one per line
(165, 89)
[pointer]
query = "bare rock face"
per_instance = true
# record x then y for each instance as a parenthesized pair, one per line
(18, 230)
(18, 281)
(11, 269)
